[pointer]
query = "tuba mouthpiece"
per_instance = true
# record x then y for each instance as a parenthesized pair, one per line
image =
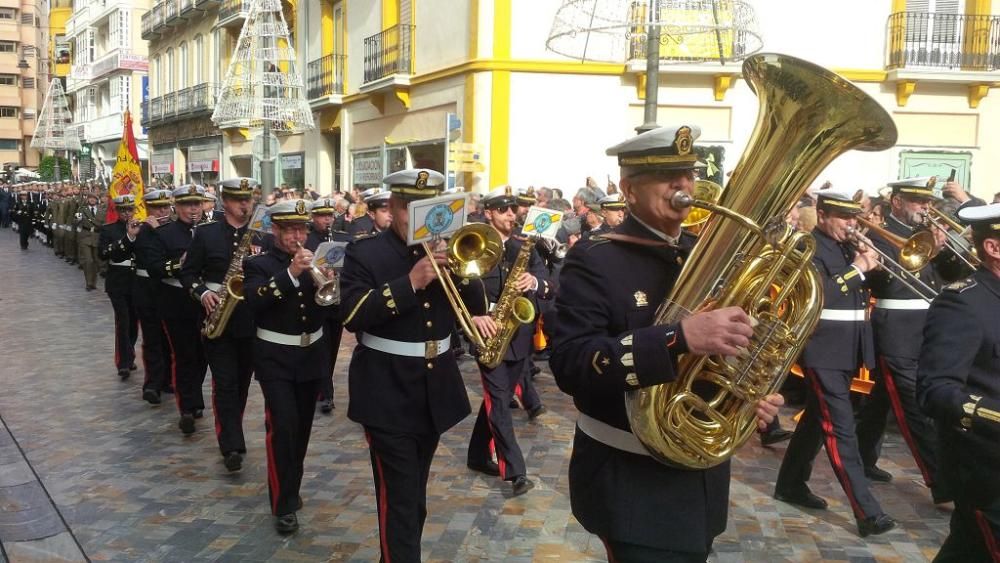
(681, 200)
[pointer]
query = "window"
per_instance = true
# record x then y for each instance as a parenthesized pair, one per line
(199, 58)
(168, 73)
(9, 145)
(118, 29)
(8, 46)
(154, 77)
(29, 113)
(182, 66)
(27, 19)
(91, 47)
(8, 80)
(28, 82)
(8, 14)
(8, 111)
(124, 91)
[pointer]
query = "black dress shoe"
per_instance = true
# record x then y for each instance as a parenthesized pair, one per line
(805, 499)
(325, 406)
(286, 524)
(513, 404)
(490, 468)
(535, 370)
(123, 373)
(150, 396)
(186, 423)
(522, 485)
(775, 436)
(132, 367)
(233, 461)
(874, 525)
(536, 412)
(198, 413)
(876, 474)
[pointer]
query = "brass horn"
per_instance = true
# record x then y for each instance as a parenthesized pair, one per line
(808, 116)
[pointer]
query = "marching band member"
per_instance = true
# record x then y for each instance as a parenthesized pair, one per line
(165, 253)
(230, 356)
(22, 214)
(958, 384)
(322, 212)
(377, 218)
(898, 322)
(494, 429)
(156, 358)
(608, 294)
(405, 386)
(841, 343)
(291, 354)
(116, 245)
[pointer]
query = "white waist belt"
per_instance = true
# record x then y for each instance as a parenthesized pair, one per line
(126, 263)
(172, 281)
(428, 350)
(610, 436)
(213, 286)
(902, 304)
(842, 314)
(142, 273)
(302, 340)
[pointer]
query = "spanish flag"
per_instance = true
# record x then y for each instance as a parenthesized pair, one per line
(126, 178)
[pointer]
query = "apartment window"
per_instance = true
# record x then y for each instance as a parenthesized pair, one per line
(154, 77)
(8, 80)
(124, 91)
(9, 145)
(91, 45)
(29, 113)
(27, 19)
(168, 73)
(28, 82)
(8, 46)
(8, 111)
(199, 57)
(8, 14)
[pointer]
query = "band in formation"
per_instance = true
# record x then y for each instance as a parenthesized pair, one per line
(907, 287)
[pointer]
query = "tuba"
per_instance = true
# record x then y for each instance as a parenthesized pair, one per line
(808, 116)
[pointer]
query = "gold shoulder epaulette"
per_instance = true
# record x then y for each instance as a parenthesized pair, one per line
(961, 285)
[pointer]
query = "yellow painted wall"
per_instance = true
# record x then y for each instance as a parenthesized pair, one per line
(57, 26)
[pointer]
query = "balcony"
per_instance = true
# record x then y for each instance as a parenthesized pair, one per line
(233, 12)
(152, 22)
(325, 77)
(172, 12)
(104, 128)
(389, 56)
(930, 41)
(119, 60)
(183, 104)
(186, 7)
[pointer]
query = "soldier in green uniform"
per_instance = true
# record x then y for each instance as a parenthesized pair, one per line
(69, 220)
(89, 220)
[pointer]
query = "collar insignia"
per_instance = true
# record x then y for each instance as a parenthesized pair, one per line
(640, 299)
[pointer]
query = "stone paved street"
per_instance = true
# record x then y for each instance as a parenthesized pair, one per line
(132, 488)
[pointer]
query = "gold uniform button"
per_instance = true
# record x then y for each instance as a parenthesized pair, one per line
(300, 294)
(427, 305)
(302, 306)
(429, 324)
(430, 365)
(303, 318)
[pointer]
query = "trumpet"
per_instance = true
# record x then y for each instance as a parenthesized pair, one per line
(327, 290)
(915, 253)
(956, 238)
(473, 251)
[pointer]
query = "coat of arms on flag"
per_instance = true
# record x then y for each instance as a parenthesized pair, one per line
(126, 178)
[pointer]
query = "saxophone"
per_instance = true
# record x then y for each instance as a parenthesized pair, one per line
(232, 284)
(511, 311)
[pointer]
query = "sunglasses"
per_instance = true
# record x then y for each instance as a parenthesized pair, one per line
(505, 208)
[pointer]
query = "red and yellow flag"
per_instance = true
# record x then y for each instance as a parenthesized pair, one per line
(126, 178)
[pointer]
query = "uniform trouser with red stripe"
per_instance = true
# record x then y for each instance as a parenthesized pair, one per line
(828, 421)
(156, 361)
(494, 429)
(184, 338)
(896, 389)
(401, 464)
(525, 389)
(126, 329)
(335, 329)
(231, 360)
(975, 531)
(289, 407)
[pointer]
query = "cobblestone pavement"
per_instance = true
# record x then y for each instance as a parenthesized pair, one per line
(132, 488)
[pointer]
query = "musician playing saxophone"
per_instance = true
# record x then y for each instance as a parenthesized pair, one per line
(606, 343)
(230, 355)
(494, 424)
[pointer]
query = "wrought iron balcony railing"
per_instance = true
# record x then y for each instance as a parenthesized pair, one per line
(231, 8)
(943, 41)
(389, 52)
(325, 76)
(183, 104)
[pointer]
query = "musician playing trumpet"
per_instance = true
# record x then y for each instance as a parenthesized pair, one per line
(116, 245)
(897, 323)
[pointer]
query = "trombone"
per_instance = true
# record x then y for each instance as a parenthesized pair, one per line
(473, 251)
(914, 253)
(955, 239)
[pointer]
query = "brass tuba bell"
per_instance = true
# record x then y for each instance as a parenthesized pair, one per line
(808, 116)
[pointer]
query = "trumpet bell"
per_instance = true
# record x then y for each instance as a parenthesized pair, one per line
(707, 191)
(474, 250)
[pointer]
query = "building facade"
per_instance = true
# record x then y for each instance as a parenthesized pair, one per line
(469, 87)
(108, 75)
(24, 72)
